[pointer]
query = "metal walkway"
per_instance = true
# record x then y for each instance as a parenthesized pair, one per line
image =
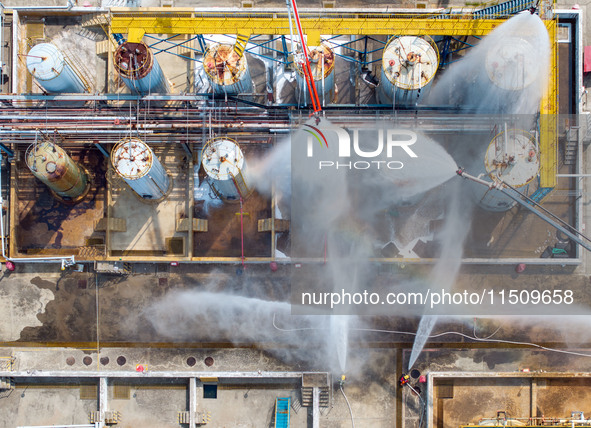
(282, 412)
(504, 9)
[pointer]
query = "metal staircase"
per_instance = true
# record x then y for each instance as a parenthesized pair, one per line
(307, 394)
(503, 9)
(282, 412)
(571, 145)
(540, 193)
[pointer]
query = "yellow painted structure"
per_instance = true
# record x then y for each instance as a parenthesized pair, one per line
(187, 21)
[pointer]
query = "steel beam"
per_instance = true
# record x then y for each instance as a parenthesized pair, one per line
(278, 24)
(244, 376)
(549, 116)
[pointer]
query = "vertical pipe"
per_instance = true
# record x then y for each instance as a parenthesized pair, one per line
(315, 407)
(191, 237)
(192, 401)
(1, 210)
(308, 70)
(15, 49)
(273, 217)
(429, 410)
(322, 59)
(533, 397)
(505, 143)
(1, 44)
(103, 398)
(242, 232)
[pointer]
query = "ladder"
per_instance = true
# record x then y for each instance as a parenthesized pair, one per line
(282, 412)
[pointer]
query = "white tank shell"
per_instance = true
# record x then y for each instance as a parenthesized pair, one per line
(324, 88)
(48, 65)
(137, 164)
(224, 163)
(511, 63)
(409, 64)
(154, 83)
(511, 157)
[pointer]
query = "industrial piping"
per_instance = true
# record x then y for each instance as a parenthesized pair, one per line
(509, 191)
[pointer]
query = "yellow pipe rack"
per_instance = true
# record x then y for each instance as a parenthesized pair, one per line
(188, 21)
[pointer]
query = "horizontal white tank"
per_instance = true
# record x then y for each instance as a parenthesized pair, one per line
(137, 164)
(511, 157)
(224, 163)
(322, 63)
(409, 64)
(226, 70)
(55, 74)
(139, 69)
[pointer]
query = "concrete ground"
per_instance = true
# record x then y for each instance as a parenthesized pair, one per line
(65, 306)
(82, 322)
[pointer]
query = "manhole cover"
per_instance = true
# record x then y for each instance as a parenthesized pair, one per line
(87, 360)
(162, 282)
(415, 373)
(191, 361)
(209, 361)
(82, 284)
(121, 360)
(70, 361)
(104, 361)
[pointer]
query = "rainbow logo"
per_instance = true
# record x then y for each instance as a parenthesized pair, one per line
(316, 133)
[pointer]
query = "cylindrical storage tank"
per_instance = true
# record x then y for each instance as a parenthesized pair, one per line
(322, 61)
(511, 157)
(409, 64)
(137, 164)
(52, 165)
(511, 63)
(140, 70)
(49, 66)
(224, 163)
(226, 70)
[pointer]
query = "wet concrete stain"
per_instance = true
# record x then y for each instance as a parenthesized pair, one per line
(493, 358)
(42, 283)
(70, 316)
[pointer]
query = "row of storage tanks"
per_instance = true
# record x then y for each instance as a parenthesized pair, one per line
(136, 163)
(512, 157)
(409, 64)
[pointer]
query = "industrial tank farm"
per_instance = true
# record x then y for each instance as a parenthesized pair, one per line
(243, 214)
